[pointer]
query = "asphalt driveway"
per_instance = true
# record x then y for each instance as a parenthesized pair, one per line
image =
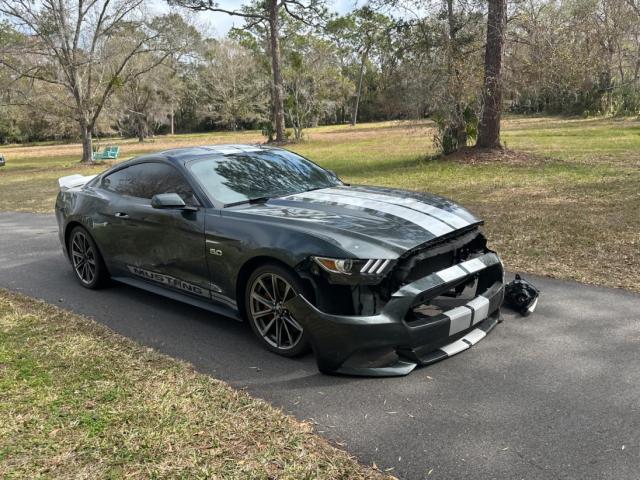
(554, 395)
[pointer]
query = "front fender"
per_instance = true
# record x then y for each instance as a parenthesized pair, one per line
(232, 243)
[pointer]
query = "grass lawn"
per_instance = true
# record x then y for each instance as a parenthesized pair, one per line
(570, 211)
(79, 401)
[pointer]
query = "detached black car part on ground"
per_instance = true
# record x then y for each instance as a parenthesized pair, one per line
(521, 296)
(375, 280)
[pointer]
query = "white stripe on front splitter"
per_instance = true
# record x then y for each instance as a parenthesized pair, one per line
(430, 224)
(442, 215)
(455, 347)
(471, 338)
(474, 336)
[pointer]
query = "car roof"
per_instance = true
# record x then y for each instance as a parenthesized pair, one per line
(182, 155)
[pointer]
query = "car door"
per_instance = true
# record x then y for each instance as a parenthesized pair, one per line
(165, 247)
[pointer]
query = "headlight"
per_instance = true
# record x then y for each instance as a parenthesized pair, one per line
(348, 266)
(335, 265)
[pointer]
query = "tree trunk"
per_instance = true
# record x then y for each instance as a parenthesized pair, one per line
(142, 128)
(87, 142)
(489, 127)
(173, 131)
(456, 126)
(354, 116)
(278, 88)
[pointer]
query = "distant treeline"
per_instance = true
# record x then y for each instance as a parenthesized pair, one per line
(423, 60)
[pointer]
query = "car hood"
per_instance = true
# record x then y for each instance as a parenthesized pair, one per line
(366, 221)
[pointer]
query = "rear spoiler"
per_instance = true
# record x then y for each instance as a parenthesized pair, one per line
(74, 181)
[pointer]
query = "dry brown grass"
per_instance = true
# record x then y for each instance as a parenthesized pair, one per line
(502, 156)
(79, 401)
(155, 144)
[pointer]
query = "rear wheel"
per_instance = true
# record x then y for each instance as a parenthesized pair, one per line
(268, 289)
(86, 260)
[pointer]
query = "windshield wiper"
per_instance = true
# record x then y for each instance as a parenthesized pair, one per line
(250, 201)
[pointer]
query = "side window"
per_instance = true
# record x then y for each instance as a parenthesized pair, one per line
(145, 180)
(119, 182)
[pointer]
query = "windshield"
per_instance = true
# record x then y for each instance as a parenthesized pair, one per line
(239, 178)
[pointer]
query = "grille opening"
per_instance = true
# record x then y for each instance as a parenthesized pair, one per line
(422, 268)
(434, 307)
(431, 310)
(425, 261)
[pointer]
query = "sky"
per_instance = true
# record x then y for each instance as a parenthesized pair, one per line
(219, 24)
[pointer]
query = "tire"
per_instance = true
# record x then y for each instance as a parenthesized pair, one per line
(275, 328)
(86, 260)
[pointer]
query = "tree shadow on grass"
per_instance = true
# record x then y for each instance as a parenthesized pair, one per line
(385, 166)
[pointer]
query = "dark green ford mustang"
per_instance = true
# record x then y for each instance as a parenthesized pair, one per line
(375, 280)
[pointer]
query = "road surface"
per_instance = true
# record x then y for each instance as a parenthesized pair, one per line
(553, 395)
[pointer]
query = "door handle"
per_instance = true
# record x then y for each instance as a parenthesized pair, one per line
(121, 215)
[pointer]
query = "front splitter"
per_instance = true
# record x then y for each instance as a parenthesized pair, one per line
(407, 361)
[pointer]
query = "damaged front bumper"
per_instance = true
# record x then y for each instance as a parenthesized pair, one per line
(397, 340)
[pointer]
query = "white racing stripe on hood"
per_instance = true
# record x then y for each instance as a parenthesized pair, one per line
(443, 215)
(432, 225)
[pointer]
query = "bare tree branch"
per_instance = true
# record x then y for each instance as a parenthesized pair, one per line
(210, 6)
(83, 46)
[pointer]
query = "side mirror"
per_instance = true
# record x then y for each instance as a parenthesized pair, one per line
(169, 200)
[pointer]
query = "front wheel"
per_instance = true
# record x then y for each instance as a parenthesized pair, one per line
(268, 289)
